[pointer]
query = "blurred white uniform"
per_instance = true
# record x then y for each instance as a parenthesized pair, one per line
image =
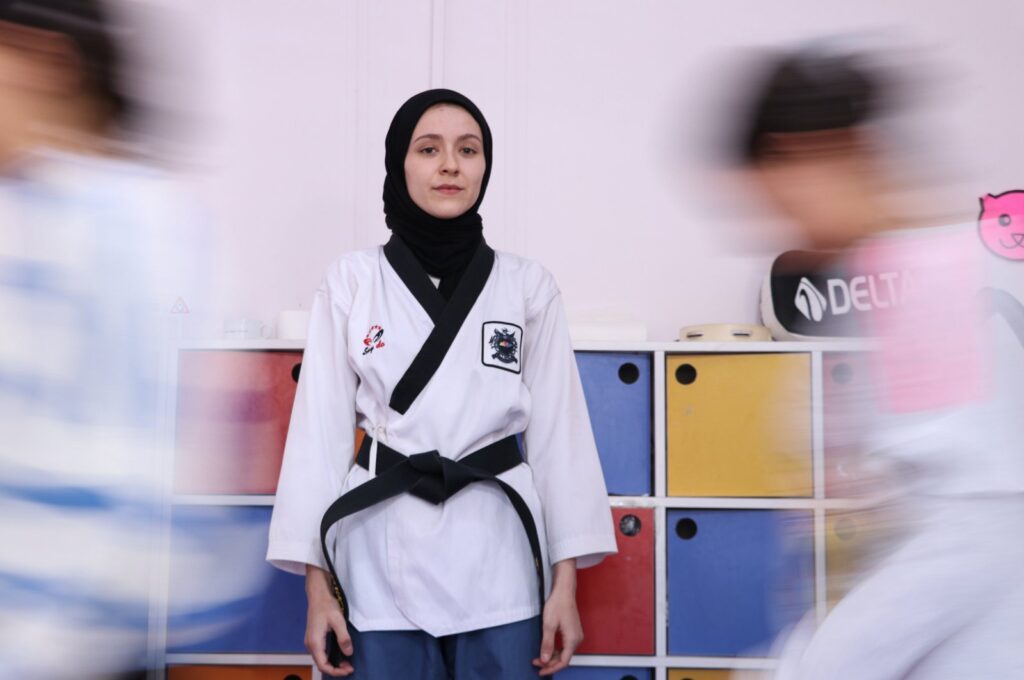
(87, 276)
(948, 602)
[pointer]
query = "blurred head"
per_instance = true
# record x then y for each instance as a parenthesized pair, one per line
(58, 69)
(807, 141)
(445, 163)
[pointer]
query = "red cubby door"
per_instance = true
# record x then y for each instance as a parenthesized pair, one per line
(616, 598)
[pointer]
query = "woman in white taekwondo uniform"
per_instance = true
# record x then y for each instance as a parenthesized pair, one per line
(444, 352)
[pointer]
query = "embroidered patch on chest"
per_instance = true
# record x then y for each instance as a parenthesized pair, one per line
(374, 339)
(502, 345)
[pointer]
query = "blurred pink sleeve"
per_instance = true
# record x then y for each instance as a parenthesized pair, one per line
(932, 351)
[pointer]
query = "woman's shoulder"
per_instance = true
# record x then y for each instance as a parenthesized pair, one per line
(538, 283)
(344, 274)
(517, 265)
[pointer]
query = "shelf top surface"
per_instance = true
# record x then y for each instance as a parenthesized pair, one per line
(677, 347)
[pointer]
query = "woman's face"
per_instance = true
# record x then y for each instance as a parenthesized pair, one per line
(445, 163)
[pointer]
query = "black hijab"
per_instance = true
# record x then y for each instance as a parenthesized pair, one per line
(443, 247)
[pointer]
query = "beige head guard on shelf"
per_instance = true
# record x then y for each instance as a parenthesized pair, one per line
(722, 332)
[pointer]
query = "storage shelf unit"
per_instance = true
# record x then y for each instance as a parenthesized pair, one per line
(637, 393)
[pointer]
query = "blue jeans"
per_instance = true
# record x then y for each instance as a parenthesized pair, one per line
(498, 653)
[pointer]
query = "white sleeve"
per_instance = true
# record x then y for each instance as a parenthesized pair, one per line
(321, 437)
(560, 444)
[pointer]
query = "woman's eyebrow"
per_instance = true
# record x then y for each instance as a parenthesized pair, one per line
(436, 137)
(431, 136)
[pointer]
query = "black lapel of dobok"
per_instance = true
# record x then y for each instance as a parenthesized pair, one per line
(446, 327)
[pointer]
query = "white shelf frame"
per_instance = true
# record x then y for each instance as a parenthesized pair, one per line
(661, 662)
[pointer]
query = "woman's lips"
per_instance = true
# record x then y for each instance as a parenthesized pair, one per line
(448, 189)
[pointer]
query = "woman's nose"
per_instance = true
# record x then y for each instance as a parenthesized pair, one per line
(450, 164)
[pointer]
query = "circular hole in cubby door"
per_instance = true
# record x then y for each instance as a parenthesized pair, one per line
(686, 374)
(629, 373)
(845, 529)
(842, 373)
(292, 676)
(628, 677)
(686, 528)
(630, 525)
(296, 369)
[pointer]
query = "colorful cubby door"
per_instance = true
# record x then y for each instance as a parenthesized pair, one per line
(617, 387)
(854, 541)
(716, 674)
(739, 425)
(736, 578)
(616, 598)
(598, 673)
(194, 672)
(223, 596)
(232, 419)
(846, 393)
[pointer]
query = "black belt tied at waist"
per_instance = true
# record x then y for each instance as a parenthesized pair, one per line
(433, 478)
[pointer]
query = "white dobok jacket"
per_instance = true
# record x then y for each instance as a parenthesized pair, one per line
(464, 564)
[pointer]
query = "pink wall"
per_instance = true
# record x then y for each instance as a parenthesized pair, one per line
(598, 110)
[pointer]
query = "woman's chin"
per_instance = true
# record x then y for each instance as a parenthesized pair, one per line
(446, 211)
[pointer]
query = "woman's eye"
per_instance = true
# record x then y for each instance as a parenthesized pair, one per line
(428, 150)
(469, 151)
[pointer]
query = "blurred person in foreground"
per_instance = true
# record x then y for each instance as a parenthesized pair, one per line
(88, 276)
(945, 436)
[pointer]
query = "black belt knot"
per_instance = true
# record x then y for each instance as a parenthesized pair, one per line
(440, 478)
(427, 463)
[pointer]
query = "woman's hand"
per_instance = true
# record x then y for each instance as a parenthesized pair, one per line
(560, 618)
(325, 614)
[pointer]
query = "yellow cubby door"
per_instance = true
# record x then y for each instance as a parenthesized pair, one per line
(739, 425)
(855, 540)
(702, 674)
(708, 674)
